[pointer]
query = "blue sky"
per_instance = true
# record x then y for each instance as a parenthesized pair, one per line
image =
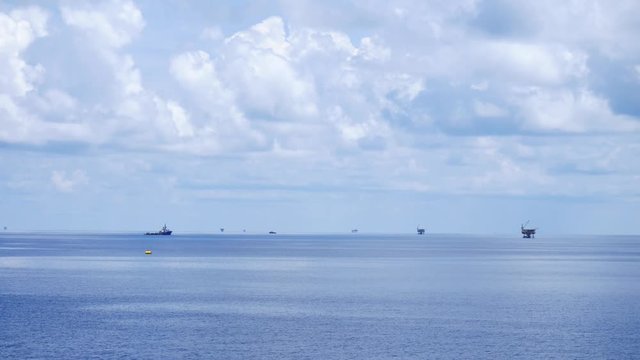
(305, 116)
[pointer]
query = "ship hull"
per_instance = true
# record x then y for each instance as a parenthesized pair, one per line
(159, 233)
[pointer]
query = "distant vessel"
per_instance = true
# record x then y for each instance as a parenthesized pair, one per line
(272, 232)
(353, 231)
(420, 230)
(527, 233)
(163, 231)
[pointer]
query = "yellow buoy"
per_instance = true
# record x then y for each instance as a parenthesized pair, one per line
(148, 252)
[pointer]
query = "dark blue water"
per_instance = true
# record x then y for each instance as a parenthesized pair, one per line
(319, 297)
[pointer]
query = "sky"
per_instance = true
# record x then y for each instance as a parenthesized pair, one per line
(298, 116)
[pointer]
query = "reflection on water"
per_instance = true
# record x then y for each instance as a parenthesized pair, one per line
(351, 296)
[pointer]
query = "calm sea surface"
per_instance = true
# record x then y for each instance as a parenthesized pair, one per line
(352, 296)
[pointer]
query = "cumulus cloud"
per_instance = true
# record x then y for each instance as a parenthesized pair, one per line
(109, 23)
(263, 74)
(68, 182)
(180, 119)
(107, 27)
(138, 113)
(372, 49)
(18, 30)
(533, 64)
(20, 100)
(222, 124)
(197, 73)
(348, 90)
(408, 82)
(578, 111)
(271, 80)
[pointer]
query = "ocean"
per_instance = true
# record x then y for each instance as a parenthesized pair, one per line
(346, 296)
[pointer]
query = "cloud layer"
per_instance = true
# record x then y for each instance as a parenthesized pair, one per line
(480, 98)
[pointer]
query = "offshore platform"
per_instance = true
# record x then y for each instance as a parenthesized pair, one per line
(527, 233)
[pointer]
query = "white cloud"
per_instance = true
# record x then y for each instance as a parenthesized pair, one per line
(578, 111)
(58, 100)
(56, 105)
(128, 75)
(196, 72)
(20, 100)
(110, 23)
(481, 86)
(18, 30)
(372, 49)
(320, 72)
(177, 117)
(213, 33)
(402, 80)
(607, 26)
(107, 27)
(309, 43)
(262, 74)
(147, 119)
(180, 119)
(13, 120)
(267, 78)
(64, 182)
(513, 61)
(487, 109)
(403, 87)
(268, 34)
(224, 126)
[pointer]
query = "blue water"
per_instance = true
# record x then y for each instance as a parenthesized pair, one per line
(351, 296)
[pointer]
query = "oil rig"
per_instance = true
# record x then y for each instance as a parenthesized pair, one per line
(527, 233)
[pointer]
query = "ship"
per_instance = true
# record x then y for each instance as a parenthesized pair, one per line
(420, 230)
(527, 233)
(163, 231)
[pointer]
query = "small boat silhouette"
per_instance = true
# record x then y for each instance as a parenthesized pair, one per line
(163, 231)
